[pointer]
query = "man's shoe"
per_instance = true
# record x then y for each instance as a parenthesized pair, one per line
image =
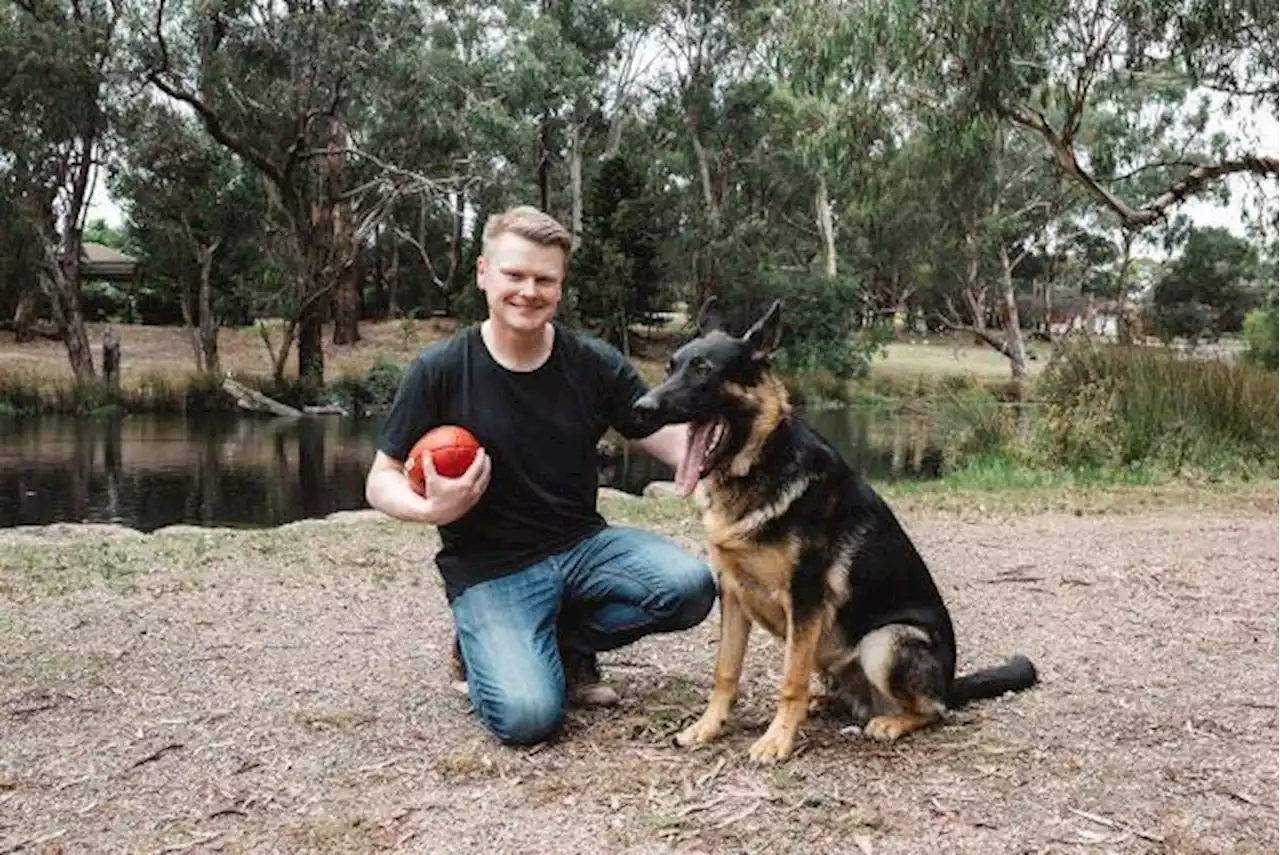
(583, 684)
(458, 670)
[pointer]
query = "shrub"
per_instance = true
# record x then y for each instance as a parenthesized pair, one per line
(1262, 337)
(1134, 406)
(818, 333)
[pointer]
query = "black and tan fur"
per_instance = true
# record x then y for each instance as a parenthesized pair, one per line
(803, 547)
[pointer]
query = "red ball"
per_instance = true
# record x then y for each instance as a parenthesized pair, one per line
(452, 449)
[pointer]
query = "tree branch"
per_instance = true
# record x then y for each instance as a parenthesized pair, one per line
(1133, 218)
(212, 122)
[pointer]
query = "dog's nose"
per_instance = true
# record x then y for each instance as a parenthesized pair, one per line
(647, 403)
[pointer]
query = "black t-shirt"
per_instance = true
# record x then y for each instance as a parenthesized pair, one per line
(539, 427)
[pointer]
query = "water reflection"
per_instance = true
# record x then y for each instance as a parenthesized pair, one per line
(149, 471)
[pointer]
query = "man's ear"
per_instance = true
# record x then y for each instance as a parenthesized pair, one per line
(709, 317)
(766, 334)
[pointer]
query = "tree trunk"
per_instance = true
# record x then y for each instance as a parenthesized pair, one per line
(1124, 327)
(61, 282)
(1016, 346)
(311, 348)
(544, 163)
(342, 238)
(455, 249)
(392, 276)
(24, 315)
(826, 227)
(189, 321)
(208, 322)
(575, 182)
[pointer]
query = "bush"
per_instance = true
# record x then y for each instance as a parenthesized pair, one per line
(375, 390)
(1262, 337)
(1136, 406)
(818, 333)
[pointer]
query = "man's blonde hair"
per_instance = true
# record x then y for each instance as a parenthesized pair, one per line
(531, 224)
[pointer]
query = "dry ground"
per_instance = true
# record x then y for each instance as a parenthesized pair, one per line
(167, 351)
(287, 691)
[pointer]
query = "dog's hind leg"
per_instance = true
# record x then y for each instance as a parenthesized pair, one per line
(793, 704)
(900, 662)
(735, 627)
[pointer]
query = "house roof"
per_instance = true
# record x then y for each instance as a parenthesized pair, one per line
(98, 261)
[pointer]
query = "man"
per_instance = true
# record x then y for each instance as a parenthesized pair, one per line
(536, 581)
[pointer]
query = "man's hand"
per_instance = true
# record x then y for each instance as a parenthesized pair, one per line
(387, 489)
(453, 497)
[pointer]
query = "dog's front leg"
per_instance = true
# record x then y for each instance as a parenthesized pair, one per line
(735, 627)
(793, 704)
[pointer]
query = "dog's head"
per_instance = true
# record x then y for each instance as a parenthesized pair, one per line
(712, 384)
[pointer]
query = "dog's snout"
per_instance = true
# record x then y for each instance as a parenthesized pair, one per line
(647, 403)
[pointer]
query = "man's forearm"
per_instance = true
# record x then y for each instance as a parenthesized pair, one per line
(668, 444)
(389, 491)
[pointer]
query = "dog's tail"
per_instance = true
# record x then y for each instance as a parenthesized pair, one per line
(1013, 676)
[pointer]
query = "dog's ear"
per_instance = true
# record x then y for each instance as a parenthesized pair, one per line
(709, 317)
(766, 334)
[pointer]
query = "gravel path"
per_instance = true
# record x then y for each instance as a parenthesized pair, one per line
(287, 691)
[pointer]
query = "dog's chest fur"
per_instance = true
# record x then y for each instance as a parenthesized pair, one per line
(759, 574)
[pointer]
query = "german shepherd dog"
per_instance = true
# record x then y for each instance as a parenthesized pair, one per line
(804, 547)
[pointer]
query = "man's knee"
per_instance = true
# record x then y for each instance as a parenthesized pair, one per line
(524, 718)
(694, 593)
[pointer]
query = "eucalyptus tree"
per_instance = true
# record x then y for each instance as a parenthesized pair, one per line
(284, 87)
(58, 79)
(194, 211)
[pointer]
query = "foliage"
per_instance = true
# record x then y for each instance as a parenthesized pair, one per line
(1131, 406)
(1206, 291)
(616, 276)
(1262, 336)
(818, 332)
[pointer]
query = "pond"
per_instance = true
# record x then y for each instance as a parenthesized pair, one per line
(150, 471)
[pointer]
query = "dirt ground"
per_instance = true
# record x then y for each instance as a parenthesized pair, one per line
(287, 691)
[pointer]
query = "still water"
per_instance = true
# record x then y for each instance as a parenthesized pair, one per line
(150, 471)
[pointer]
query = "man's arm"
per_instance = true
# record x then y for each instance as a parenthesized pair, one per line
(388, 490)
(668, 444)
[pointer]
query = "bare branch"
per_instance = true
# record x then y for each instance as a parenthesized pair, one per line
(1133, 218)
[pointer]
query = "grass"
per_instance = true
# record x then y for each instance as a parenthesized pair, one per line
(157, 373)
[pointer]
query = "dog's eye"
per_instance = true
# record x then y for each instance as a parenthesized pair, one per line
(700, 367)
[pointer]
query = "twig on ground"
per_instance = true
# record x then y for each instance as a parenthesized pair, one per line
(700, 806)
(739, 816)
(707, 777)
(1118, 826)
(190, 844)
(33, 841)
(157, 754)
(1244, 797)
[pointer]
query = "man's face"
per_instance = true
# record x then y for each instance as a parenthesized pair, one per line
(522, 282)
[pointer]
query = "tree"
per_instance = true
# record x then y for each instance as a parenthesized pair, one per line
(179, 189)
(1207, 290)
(56, 70)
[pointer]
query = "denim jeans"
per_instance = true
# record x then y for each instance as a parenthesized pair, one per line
(609, 590)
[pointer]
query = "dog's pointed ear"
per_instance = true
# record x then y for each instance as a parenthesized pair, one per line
(709, 317)
(766, 334)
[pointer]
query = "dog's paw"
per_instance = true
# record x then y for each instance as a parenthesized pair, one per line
(886, 728)
(775, 746)
(702, 731)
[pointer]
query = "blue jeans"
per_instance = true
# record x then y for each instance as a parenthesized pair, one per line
(609, 590)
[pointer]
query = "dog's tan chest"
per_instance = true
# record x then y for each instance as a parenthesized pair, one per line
(759, 575)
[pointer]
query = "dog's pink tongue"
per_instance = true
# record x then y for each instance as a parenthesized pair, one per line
(691, 466)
